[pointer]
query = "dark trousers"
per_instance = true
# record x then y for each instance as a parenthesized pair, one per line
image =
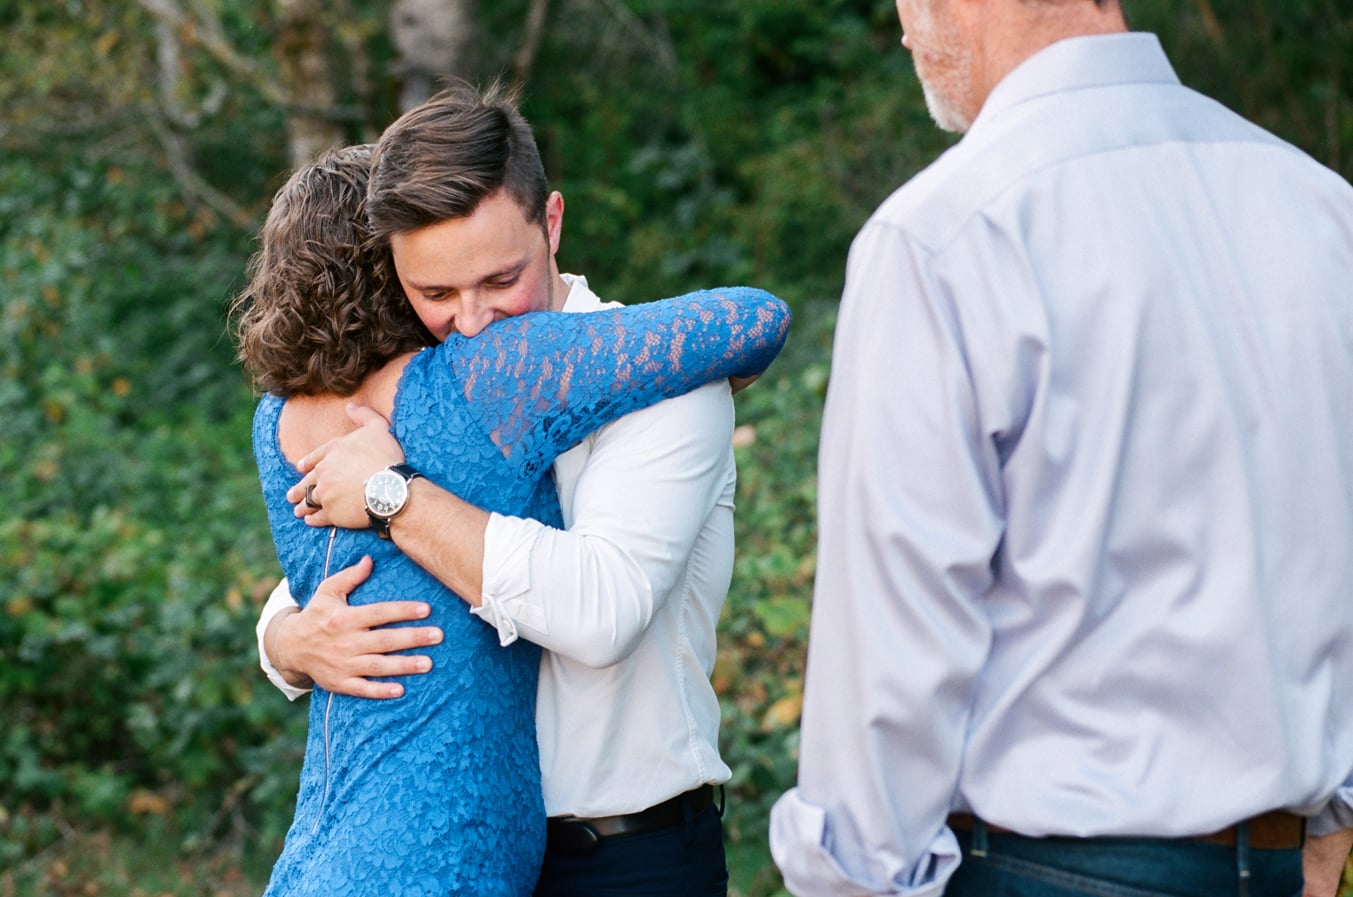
(683, 860)
(1015, 866)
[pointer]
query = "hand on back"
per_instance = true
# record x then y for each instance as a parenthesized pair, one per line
(343, 647)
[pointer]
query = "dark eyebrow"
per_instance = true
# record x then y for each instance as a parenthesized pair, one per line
(508, 271)
(494, 275)
(425, 288)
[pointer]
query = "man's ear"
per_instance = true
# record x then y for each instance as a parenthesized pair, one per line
(554, 219)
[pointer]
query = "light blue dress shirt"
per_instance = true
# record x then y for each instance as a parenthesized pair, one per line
(1086, 487)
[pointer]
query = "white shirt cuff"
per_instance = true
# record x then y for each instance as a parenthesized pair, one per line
(508, 542)
(279, 600)
(1337, 815)
(801, 846)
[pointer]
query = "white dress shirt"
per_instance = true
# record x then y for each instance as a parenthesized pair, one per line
(625, 601)
(1086, 487)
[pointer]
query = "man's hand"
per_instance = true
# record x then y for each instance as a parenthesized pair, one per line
(339, 647)
(1323, 860)
(336, 472)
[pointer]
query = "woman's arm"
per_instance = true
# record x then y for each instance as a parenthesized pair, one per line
(542, 382)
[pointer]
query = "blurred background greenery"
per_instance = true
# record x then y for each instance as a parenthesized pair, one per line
(696, 142)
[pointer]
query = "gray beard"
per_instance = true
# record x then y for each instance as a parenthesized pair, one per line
(945, 113)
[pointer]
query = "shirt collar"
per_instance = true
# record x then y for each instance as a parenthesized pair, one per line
(580, 296)
(1080, 62)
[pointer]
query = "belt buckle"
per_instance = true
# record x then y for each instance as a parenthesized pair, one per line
(574, 836)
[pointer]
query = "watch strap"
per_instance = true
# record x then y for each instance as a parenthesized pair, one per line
(382, 524)
(406, 471)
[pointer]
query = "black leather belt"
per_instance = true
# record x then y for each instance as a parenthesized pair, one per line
(1276, 830)
(572, 834)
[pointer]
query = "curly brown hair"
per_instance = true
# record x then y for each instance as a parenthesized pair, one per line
(322, 308)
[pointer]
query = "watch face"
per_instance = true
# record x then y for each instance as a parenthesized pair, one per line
(386, 493)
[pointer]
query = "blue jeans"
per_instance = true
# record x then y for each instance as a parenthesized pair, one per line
(684, 860)
(1016, 866)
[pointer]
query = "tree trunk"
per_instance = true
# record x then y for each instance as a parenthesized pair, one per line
(435, 41)
(530, 42)
(302, 50)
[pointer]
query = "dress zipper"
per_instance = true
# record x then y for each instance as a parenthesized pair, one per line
(329, 703)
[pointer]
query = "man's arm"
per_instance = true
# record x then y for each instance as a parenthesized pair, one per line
(339, 647)
(1323, 860)
(650, 483)
(1329, 838)
(279, 606)
(439, 531)
(649, 486)
(908, 521)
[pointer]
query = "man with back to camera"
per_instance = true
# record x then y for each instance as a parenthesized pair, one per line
(1082, 614)
(625, 601)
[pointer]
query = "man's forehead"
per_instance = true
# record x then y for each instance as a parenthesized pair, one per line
(464, 251)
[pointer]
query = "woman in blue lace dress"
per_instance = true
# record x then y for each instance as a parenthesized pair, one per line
(439, 793)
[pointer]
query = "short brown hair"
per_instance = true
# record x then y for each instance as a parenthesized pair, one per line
(322, 309)
(439, 160)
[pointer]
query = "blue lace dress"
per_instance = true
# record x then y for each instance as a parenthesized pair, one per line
(438, 792)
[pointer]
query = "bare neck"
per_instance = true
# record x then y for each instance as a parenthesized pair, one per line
(559, 288)
(307, 422)
(1012, 31)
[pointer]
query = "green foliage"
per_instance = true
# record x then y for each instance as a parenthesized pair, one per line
(103, 863)
(696, 142)
(127, 648)
(764, 630)
(754, 152)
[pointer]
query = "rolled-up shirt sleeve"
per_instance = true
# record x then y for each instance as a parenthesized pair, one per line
(1338, 813)
(909, 520)
(806, 852)
(278, 601)
(589, 593)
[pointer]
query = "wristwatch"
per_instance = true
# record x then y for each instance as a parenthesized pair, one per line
(386, 494)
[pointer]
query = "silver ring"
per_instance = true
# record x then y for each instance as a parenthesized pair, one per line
(310, 498)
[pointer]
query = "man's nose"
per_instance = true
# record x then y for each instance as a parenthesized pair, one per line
(473, 316)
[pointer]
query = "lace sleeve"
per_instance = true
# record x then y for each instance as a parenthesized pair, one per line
(543, 381)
